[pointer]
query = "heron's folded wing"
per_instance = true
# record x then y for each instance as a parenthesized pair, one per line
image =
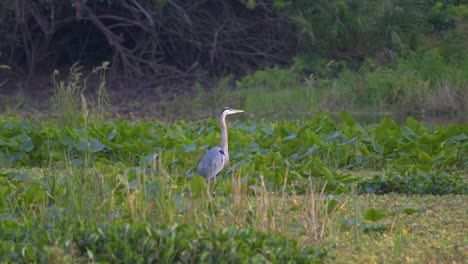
(212, 163)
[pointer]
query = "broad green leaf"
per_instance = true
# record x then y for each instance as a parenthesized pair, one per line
(18, 176)
(111, 135)
(332, 205)
(413, 124)
(197, 185)
(374, 215)
(345, 118)
(189, 147)
(411, 210)
(27, 146)
(292, 136)
(423, 156)
(96, 146)
(352, 141)
(66, 140)
(377, 147)
(333, 135)
(83, 146)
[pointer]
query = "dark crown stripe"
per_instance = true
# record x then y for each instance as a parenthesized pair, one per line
(226, 108)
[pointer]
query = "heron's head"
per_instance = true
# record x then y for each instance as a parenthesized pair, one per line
(230, 111)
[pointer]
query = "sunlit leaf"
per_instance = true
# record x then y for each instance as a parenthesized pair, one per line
(346, 118)
(423, 156)
(374, 215)
(411, 210)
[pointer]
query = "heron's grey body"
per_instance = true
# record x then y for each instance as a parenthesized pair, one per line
(212, 163)
(217, 157)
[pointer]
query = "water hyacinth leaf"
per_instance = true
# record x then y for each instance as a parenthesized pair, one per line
(332, 205)
(238, 154)
(374, 215)
(189, 147)
(413, 124)
(226, 187)
(409, 134)
(3, 143)
(9, 126)
(352, 141)
(83, 146)
(374, 228)
(18, 176)
(27, 146)
(149, 159)
(142, 146)
(92, 146)
(377, 147)
(132, 183)
(290, 137)
(294, 156)
(388, 123)
(11, 143)
(423, 156)
(7, 160)
(197, 185)
(6, 217)
(346, 118)
(111, 135)
(328, 173)
(410, 210)
(460, 137)
(253, 147)
(96, 146)
(268, 131)
(333, 135)
(311, 150)
(351, 222)
(66, 140)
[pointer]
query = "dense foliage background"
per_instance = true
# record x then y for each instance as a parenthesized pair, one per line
(152, 42)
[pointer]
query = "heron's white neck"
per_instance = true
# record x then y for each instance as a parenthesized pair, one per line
(224, 136)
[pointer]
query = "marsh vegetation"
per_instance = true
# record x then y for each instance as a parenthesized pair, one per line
(98, 163)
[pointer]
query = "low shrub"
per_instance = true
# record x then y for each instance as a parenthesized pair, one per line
(136, 243)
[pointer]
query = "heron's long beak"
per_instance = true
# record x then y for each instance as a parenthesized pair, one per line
(235, 111)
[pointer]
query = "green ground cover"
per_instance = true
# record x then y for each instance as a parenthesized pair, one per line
(94, 189)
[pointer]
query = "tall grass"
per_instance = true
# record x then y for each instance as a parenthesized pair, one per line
(83, 200)
(422, 83)
(71, 100)
(66, 100)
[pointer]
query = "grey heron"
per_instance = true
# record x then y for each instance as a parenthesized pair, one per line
(217, 157)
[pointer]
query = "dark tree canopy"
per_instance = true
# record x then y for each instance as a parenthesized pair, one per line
(148, 41)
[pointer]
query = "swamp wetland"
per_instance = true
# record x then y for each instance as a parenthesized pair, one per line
(353, 147)
(92, 189)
